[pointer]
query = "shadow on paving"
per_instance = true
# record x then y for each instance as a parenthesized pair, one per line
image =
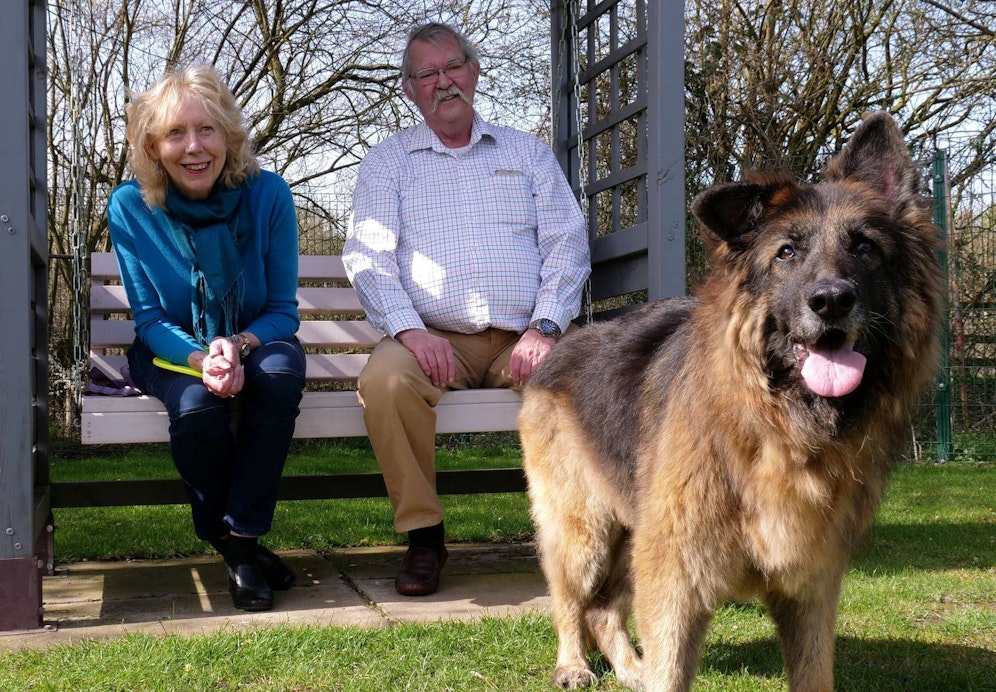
(102, 600)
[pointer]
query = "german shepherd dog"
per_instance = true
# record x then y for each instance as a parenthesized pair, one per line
(699, 450)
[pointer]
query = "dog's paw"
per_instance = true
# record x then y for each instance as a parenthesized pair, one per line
(631, 681)
(573, 677)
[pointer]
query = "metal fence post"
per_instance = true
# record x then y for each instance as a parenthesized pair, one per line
(939, 171)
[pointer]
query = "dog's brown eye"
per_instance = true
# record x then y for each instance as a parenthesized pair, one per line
(785, 253)
(864, 247)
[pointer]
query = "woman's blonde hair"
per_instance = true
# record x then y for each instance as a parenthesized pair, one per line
(150, 114)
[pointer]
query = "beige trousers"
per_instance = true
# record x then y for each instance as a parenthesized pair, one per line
(398, 408)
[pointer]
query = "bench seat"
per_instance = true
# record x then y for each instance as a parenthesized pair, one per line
(125, 420)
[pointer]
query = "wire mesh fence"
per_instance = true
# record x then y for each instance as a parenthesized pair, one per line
(322, 222)
(964, 406)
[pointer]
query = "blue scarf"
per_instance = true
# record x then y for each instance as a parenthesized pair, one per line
(208, 232)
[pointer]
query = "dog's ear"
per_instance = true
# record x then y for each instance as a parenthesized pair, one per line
(732, 210)
(877, 156)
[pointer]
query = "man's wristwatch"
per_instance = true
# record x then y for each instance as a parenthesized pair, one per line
(547, 328)
(242, 341)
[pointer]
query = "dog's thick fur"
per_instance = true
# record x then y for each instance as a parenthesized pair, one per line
(680, 456)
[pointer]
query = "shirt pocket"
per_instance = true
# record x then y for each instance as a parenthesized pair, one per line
(508, 196)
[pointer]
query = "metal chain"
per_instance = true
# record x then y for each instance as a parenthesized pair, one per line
(78, 228)
(574, 10)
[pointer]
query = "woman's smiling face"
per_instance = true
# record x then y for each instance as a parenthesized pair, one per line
(193, 151)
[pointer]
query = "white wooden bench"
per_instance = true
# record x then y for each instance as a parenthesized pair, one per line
(337, 339)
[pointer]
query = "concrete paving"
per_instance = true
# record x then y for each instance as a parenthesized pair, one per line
(103, 600)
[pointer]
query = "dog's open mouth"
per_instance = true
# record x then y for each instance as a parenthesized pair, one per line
(830, 366)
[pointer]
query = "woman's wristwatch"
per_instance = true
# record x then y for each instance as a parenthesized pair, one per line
(242, 341)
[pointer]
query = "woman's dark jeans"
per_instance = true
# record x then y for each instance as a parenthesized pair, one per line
(232, 478)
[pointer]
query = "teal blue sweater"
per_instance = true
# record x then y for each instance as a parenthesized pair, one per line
(156, 276)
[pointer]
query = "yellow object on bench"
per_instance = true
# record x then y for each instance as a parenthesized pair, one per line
(184, 369)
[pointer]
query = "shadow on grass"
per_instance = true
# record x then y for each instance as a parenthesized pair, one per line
(894, 548)
(871, 665)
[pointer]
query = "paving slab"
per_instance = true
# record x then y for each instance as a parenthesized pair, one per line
(103, 600)
(477, 581)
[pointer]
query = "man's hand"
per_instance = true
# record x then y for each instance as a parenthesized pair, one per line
(527, 355)
(434, 354)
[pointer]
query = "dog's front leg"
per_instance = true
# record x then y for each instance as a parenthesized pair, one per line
(671, 640)
(672, 620)
(806, 632)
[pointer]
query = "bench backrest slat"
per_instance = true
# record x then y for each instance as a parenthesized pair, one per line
(104, 267)
(321, 367)
(327, 334)
(337, 301)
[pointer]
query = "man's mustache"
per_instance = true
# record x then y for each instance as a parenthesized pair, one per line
(452, 90)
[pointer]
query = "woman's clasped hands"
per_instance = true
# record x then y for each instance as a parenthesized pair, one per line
(221, 368)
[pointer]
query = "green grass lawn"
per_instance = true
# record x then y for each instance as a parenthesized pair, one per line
(918, 610)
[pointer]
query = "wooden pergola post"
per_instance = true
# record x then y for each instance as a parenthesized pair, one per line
(25, 526)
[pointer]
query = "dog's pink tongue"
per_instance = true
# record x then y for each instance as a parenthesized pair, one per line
(833, 373)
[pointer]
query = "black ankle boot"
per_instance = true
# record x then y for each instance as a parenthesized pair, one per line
(246, 581)
(278, 573)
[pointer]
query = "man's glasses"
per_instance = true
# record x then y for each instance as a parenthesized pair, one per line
(430, 75)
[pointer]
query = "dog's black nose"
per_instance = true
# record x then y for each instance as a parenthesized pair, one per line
(832, 299)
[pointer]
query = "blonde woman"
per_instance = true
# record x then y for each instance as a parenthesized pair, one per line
(207, 246)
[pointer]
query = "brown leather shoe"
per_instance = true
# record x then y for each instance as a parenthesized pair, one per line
(419, 573)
